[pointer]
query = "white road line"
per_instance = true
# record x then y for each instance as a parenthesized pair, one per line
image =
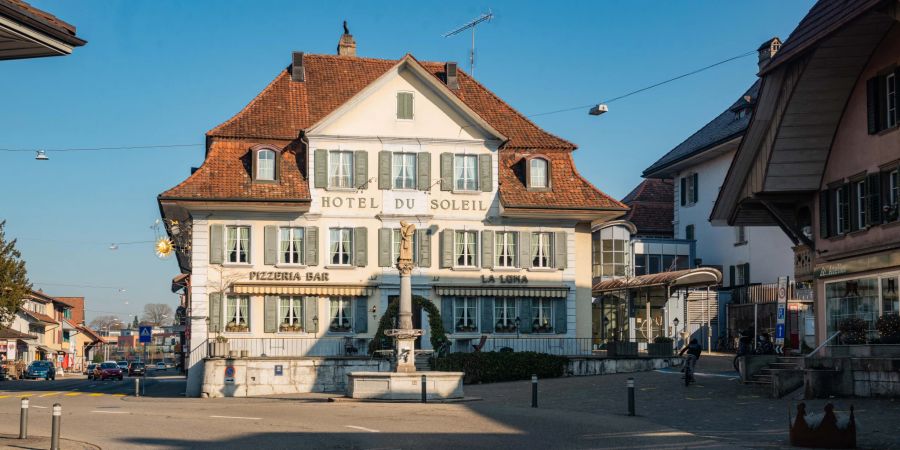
(36, 406)
(362, 428)
(236, 417)
(111, 412)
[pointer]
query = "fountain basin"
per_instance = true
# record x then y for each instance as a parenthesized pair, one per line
(404, 386)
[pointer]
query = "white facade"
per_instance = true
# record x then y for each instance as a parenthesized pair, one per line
(366, 127)
(766, 249)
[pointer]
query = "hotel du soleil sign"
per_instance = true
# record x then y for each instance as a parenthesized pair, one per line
(402, 202)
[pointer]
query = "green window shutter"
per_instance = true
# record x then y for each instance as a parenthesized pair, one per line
(311, 238)
(560, 249)
(270, 244)
(487, 314)
(270, 306)
(872, 105)
(384, 170)
(384, 247)
(447, 314)
(696, 187)
(216, 244)
(487, 249)
(683, 191)
(485, 169)
(361, 320)
(423, 171)
(873, 199)
(310, 312)
(320, 168)
(361, 169)
(524, 307)
(854, 217)
(446, 249)
(423, 239)
(731, 273)
(524, 249)
(746, 269)
(215, 312)
(404, 105)
(561, 316)
(361, 246)
(446, 171)
(824, 223)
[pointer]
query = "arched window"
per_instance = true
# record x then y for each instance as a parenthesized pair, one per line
(265, 164)
(538, 173)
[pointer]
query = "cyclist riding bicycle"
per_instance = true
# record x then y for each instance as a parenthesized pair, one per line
(693, 350)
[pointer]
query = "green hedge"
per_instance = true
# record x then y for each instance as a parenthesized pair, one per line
(491, 367)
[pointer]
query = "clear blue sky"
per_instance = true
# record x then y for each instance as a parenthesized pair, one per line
(165, 72)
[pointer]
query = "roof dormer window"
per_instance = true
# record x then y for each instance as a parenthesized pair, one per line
(537, 173)
(265, 163)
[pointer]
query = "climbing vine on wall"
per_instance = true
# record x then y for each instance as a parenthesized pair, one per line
(389, 318)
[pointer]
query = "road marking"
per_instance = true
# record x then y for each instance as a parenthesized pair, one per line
(73, 394)
(111, 412)
(118, 395)
(236, 417)
(362, 428)
(36, 406)
(96, 394)
(50, 394)
(4, 396)
(24, 395)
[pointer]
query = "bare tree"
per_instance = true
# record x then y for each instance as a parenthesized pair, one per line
(108, 322)
(158, 314)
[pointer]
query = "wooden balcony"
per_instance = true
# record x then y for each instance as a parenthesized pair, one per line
(803, 263)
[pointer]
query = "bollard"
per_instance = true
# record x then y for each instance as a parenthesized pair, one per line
(57, 416)
(23, 420)
(630, 385)
(137, 387)
(424, 390)
(534, 391)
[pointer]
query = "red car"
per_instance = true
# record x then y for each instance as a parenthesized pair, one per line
(108, 370)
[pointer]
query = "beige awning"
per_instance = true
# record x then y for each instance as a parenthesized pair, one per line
(518, 291)
(303, 289)
(703, 276)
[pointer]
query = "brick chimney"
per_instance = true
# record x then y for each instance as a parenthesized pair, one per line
(346, 46)
(767, 50)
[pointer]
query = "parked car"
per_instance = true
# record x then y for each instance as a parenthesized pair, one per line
(123, 365)
(160, 366)
(90, 371)
(108, 370)
(137, 368)
(41, 369)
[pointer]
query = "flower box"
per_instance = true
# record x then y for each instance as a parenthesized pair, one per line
(231, 328)
(290, 328)
(660, 349)
(622, 349)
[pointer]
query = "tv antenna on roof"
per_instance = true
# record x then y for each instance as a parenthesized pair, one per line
(486, 17)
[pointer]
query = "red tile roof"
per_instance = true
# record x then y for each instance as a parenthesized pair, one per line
(285, 108)
(9, 333)
(39, 316)
(41, 19)
(652, 207)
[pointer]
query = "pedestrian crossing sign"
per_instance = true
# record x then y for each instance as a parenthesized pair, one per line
(145, 334)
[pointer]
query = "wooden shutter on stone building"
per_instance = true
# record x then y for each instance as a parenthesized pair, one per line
(310, 312)
(384, 170)
(873, 199)
(487, 314)
(561, 250)
(270, 245)
(270, 311)
(485, 172)
(311, 237)
(487, 249)
(423, 240)
(447, 313)
(360, 246)
(524, 307)
(446, 171)
(361, 318)
(524, 250)
(216, 244)
(384, 247)
(215, 312)
(320, 168)
(423, 171)
(561, 316)
(361, 169)
(824, 214)
(446, 248)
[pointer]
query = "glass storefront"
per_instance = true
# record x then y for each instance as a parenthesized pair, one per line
(863, 298)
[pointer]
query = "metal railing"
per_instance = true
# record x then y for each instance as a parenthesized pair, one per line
(768, 293)
(298, 347)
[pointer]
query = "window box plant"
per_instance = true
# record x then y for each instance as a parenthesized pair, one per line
(286, 327)
(237, 327)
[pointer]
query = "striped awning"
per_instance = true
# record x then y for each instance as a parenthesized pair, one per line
(303, 289)
(518, 291)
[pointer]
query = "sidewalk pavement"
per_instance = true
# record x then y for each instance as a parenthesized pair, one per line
(41, 442)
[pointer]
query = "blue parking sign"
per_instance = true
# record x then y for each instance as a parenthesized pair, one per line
(779, 331)
(144, 334)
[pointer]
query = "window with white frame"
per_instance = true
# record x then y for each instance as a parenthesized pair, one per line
(405, 106)
(403, 170)
(842, 210)
(538, 173)
(890, 92)
(465, 247)
(237, 244)
(237, 313)
(290, 245)
(340, 169)
(505, 252)
(541, 249)
(465, 310)
(290, 314)
(505, 315)
(465, 172)
(341, 240)
(395, 245)
(860, 192)
(542, 315)
(265, 164)
(341, 315)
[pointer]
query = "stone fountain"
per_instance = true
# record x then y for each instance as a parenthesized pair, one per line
(405, 383)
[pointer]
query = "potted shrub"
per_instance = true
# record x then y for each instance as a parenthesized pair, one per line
(219, 347)
(853, 331)
(661, 346)
(888, 327)
(620, 348)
